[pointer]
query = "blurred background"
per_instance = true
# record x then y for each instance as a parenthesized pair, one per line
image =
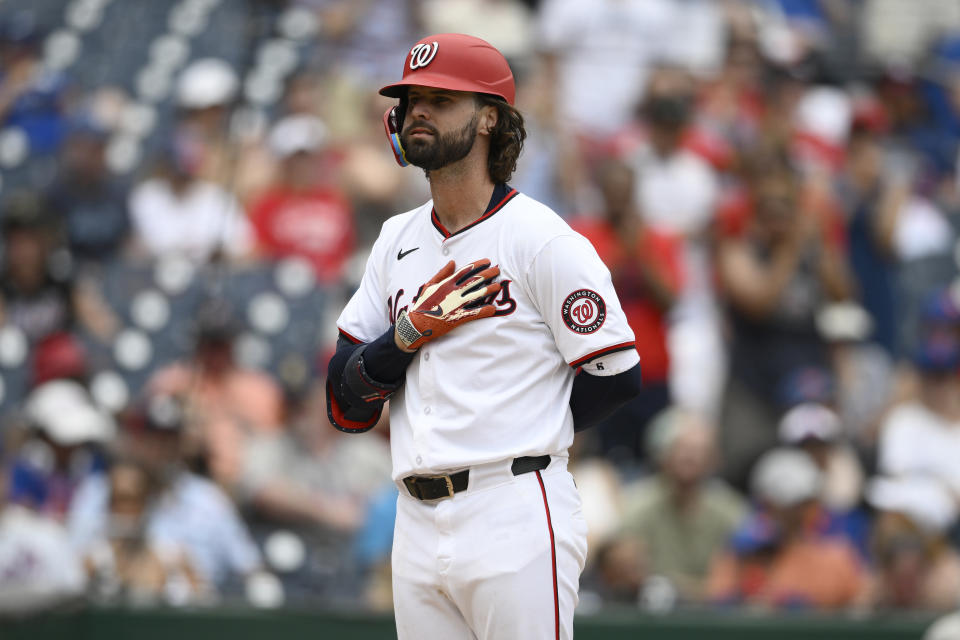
(188, 193)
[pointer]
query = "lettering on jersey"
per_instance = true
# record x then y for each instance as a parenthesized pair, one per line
(392, 304)
(583, 311)
(505, 304)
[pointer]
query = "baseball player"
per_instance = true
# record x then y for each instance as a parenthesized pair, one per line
(495, 332)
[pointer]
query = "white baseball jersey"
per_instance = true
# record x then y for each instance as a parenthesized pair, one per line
(499, 387)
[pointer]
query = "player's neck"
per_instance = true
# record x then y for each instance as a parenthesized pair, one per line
(461, 193)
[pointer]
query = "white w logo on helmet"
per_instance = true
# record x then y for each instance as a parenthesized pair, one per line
(422, 54)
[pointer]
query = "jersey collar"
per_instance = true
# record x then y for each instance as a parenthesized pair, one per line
(502, 194)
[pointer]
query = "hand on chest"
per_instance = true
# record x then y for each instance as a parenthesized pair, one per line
(415, 263)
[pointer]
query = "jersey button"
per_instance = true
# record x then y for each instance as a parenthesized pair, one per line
(419, 460)
(426, 356)
(427, 411)
(446, 252)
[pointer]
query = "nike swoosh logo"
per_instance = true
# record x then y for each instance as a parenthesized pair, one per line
(403, 254)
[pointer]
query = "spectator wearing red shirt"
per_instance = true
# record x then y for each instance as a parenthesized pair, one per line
(303, 215)
(645, 267)
(780, 259)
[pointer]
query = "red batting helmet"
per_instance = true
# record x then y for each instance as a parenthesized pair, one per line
(457, 62)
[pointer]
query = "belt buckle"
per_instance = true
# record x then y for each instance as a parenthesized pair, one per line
(415, 482)
(449, 483)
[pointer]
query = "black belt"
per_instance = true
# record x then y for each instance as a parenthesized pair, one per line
(436, 487)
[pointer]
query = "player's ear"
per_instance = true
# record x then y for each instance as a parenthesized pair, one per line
(489, 116)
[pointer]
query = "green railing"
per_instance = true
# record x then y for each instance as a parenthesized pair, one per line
(164, 624)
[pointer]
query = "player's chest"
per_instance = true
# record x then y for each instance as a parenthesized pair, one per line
(415, 260)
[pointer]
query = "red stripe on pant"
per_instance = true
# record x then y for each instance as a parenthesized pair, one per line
(553, 557)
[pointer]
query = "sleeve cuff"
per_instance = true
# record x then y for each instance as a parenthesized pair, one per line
(349, 337)
(606, 351)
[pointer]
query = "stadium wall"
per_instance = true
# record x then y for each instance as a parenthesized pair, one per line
(291, 625)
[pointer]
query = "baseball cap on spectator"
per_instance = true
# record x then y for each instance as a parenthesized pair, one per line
(942, 307)
(59, 355)
(809, 421)
(785, 478)
(938, 352)
(822, 120)
(297, 133)
(62, 410)
(208, 82)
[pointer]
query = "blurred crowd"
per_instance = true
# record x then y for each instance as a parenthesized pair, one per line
(773, 184)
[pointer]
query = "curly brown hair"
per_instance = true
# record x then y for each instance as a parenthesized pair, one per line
(506, 139)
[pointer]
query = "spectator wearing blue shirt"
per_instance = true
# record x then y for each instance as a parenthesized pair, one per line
(65, 431)
(91, 206)
(191, 514)
(870, 227)
(31, 97)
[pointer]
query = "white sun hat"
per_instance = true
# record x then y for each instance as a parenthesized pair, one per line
(63, 410)
(207, 83)
(785, 477)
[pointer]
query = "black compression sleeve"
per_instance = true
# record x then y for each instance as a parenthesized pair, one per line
(385, 361)
(360, 377)
(596, 397)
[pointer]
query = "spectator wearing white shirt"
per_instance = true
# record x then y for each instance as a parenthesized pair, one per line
(598, 55)
(176, 212)
(38, 567)
(677, 191)
(919, 446)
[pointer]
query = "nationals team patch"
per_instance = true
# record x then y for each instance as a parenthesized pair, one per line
(584, 311)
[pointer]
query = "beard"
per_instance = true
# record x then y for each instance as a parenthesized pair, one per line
(442, 150)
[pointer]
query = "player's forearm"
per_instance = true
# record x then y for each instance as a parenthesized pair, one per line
(360, 379)
(596, 397)
(385, 360)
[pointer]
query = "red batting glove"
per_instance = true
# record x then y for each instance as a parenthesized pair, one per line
(448, 300)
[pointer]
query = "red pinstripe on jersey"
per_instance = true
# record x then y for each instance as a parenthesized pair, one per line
(553, 557)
